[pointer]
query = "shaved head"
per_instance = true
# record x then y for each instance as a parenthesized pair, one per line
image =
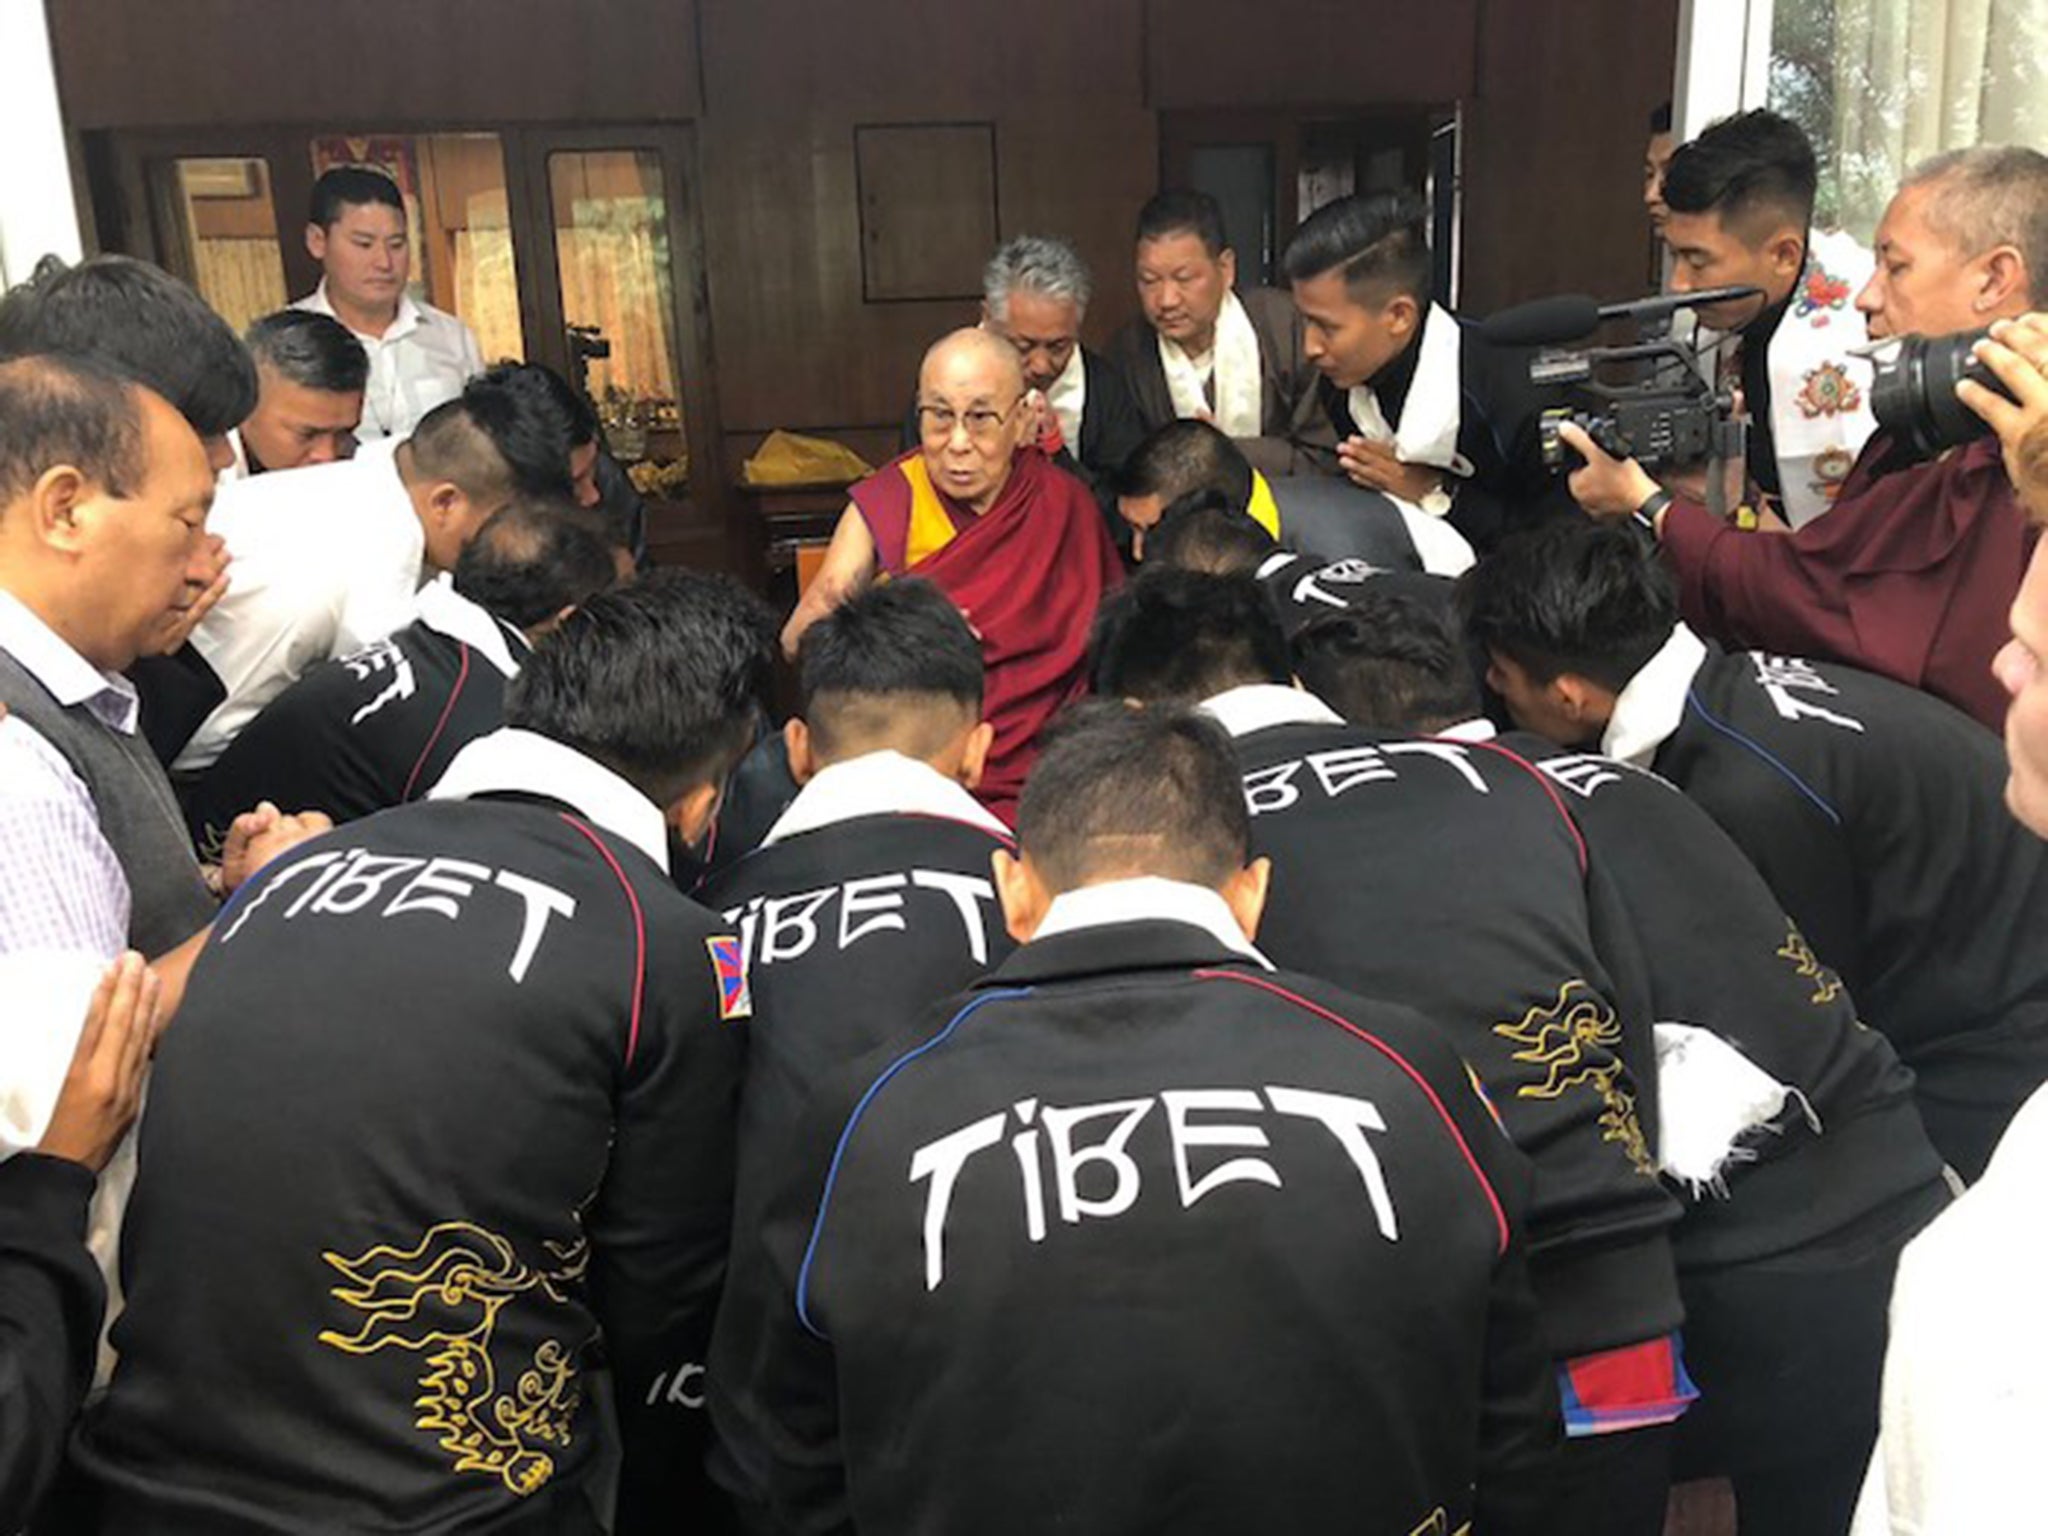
(974, 354)
(971, 415)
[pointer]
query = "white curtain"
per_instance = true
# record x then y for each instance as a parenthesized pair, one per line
(1915, 77)
(242, 279)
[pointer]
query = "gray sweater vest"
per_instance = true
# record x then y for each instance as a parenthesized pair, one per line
(137, 812)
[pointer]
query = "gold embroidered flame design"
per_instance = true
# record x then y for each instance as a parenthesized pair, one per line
(1557, 1038)
(1439, 1524)
(1827, 986)
(442, 1298)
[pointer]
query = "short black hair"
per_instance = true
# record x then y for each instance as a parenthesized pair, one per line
(1184, 211)
(69, 410)
(660, 681)
(1571, 596)
(1392, 660)
(1118, 793)
(1183, 456)
(1660, 118)
(145, 323)
(551, 394)
(534, 558)
(312, 350)
(895, 666)
(1379, 239)
(1752, 169)
(351, 186)
(1184, 636)
(506, 429)
(1202, 531)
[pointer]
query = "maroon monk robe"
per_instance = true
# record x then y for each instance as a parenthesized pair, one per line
(1029, 574)
(1910, 574)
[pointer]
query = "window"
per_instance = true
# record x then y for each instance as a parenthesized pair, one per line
(1879, 85)
(226, 224)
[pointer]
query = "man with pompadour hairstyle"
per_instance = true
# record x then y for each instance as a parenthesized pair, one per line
(484, 1173)
(1072, 1231)
(870, 898)
(1424, 411)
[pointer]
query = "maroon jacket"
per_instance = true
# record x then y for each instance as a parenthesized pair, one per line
(1910, 575)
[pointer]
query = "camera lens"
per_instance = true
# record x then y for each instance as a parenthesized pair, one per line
(1914, 396)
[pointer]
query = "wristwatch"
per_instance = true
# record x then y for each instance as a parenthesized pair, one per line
(1653, 505)
(1436, 503)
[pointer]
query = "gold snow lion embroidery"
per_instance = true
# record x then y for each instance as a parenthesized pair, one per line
(442, 1298)
(1827, 985)
(1557, 1037)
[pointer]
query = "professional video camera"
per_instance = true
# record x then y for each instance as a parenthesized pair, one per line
(1667, 412)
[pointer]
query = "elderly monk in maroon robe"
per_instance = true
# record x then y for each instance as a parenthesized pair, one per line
(1015, 541)
(1911, 572)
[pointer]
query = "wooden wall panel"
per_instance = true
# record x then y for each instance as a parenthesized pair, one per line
(1554, 147)
(788, 82)
(373, 63)
(1225, 53)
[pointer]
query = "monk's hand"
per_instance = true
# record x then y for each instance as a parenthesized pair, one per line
(1604, 485)
(1374, 466)
(177, 626)
(2016, 352)
(102, 1091)
(256, 837)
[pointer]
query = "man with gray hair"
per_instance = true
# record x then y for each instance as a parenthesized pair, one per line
(1035, 293)
(311, 374)
(1913, 570)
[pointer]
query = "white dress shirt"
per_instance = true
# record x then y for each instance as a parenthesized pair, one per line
(326, 559)
(424, 357)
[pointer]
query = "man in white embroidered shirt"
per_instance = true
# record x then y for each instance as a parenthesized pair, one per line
(419, 355)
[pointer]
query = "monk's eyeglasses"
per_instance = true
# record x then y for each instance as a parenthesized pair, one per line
(937, 422)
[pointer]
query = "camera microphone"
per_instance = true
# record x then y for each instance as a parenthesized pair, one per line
(1567, 317)
(1542, 322)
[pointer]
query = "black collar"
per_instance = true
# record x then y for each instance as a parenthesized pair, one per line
(1391, 384)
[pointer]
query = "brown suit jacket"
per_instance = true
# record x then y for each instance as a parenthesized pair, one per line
(1296, 436)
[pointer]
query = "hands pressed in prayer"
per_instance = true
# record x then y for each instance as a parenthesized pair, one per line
(178, 625)
(263, 834)
(102, 1092)
(2017, 352)
(1374, 466)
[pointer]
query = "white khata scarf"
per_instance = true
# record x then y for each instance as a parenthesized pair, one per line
(1068, 398)
(1432, 413)
(1234, 364)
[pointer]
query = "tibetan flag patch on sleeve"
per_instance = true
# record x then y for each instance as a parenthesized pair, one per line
(729, 969)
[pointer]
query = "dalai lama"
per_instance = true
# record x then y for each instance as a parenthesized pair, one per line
(1017, 543)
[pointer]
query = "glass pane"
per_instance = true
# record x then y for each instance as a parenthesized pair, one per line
(611, 240)
(458, 220)
(1240, 178)
(1879, 85)
(230, 229)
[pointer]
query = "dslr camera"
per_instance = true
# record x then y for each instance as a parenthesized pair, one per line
(1914, 393)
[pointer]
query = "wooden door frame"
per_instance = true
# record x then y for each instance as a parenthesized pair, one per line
(128, 218)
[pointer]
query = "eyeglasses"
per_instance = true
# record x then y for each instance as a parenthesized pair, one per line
(937, 422)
